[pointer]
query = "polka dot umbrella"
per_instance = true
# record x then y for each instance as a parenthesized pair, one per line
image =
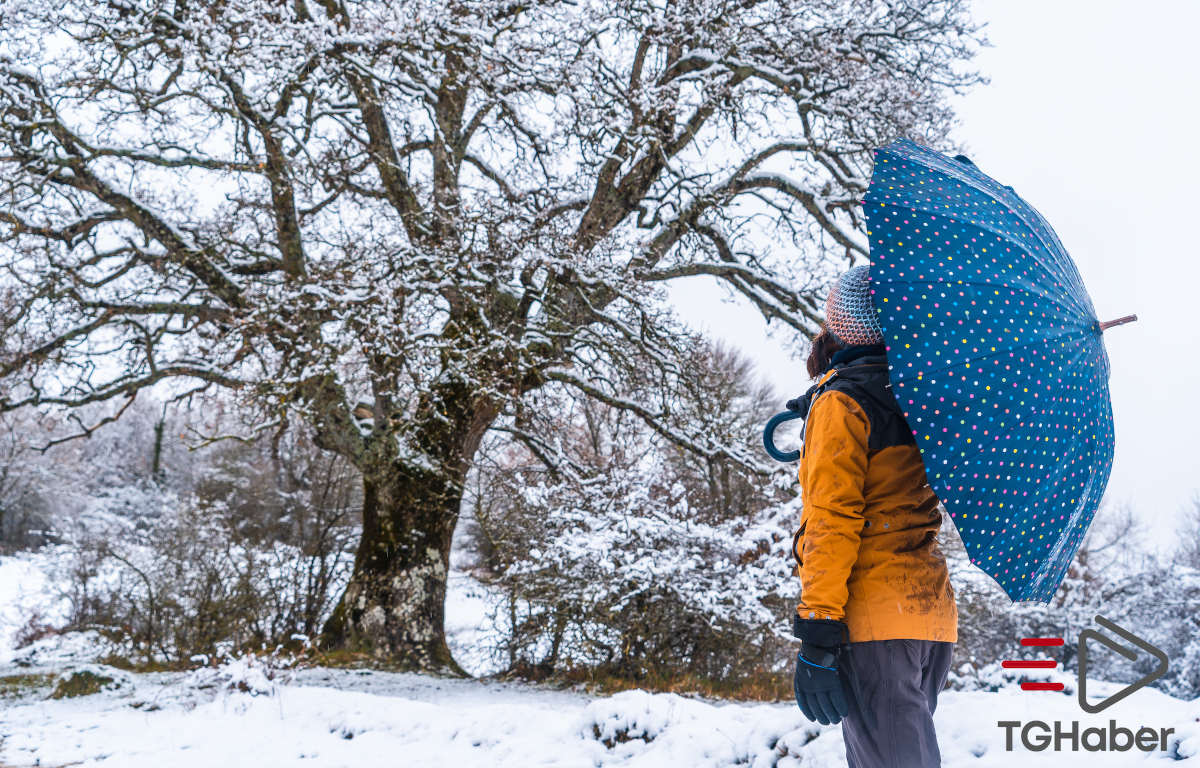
(996, 359)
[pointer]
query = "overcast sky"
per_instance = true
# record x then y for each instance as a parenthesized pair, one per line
(1091, 115)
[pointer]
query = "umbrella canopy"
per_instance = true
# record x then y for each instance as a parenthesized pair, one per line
(996, 359)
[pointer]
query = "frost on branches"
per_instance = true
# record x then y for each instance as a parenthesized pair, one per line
(395, 222)
(637, 586)
(633, 557)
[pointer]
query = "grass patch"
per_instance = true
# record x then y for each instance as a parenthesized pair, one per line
(15, 686)
(82, 682)
(343, 658)
(765, 687)
(118, 661)
(349, 658)
(760, 686)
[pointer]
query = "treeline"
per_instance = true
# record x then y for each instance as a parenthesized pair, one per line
(175, 537)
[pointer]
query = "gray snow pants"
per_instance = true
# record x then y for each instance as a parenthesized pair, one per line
(893, 686)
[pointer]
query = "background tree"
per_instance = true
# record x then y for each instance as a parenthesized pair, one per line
(1187, 550)
(25, 511)
(394, 221)
(252, 550)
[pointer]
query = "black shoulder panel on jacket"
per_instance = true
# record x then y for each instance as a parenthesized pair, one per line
(866, 382)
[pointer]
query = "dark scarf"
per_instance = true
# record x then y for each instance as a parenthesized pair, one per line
(862, 354)
(850, 354)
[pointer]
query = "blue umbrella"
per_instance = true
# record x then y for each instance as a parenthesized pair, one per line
(996, 359)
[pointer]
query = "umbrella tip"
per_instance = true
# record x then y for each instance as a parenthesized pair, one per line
(1119, 321)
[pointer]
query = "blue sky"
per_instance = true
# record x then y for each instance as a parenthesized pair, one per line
(1092, 115)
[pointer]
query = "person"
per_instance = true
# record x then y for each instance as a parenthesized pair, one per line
(877, 619)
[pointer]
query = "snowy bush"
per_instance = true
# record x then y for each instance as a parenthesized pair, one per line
(25, 502)
(190, 584)
(245, 673)
(629, 716)
(246, 556)
(627, 555)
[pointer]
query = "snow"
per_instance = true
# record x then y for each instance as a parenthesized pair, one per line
(25, 596)
(471, 630)
(325, 717)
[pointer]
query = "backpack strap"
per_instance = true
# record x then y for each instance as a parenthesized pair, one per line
(865, 381)
(868, 385)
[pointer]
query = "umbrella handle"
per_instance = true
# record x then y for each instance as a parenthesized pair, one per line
(1119, 321)
(769, 436)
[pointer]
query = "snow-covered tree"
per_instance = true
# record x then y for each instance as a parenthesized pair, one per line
(394, 221)
(617, 551)
(252, 549)
(24, 507)
(1187, 552)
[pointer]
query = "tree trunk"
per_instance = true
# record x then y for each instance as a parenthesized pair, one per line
(394, 605)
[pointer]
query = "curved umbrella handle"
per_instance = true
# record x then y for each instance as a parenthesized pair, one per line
(769, 436)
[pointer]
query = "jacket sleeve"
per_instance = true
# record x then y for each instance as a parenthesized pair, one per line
(835, 470)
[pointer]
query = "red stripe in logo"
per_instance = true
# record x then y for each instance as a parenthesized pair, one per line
(1036, 642)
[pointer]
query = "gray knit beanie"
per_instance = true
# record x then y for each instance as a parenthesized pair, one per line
(849, 314)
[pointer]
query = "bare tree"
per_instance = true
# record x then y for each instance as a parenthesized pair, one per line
(393, 221)
(1187, 550)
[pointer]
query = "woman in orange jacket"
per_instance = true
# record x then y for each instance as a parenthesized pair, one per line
(877, 619)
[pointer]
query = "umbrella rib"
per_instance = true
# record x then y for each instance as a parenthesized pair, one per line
(1056, 249)
(980, 448)
(1061, 464)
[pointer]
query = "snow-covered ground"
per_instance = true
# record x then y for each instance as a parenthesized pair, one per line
(27, 600)
(471, 612)
(246, 713)
(324, 717)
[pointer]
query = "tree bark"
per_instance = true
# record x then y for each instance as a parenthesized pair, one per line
(394, 606)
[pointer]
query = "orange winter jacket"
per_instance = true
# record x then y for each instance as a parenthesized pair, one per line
(867, 545)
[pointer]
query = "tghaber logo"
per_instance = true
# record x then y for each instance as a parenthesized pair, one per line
(1084, 636)
(1129, 653)
(1036, 734)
